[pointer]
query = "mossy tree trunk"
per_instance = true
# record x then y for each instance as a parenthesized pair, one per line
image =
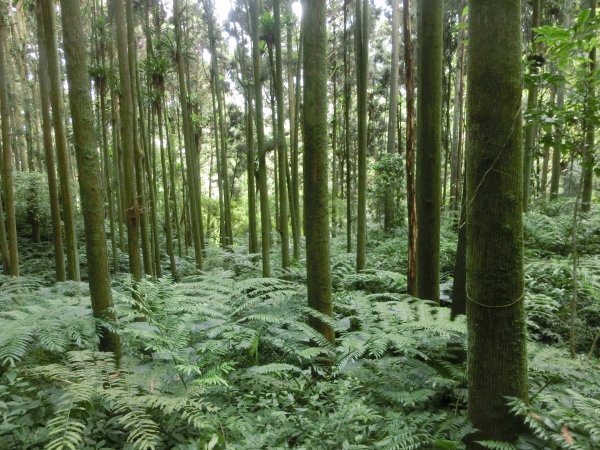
(362, 79)
(59, 257)
(62, 149)
(316, 197)
(7, 167)
(411, 200)
(429, 144)
(88, 165)
(265, 215)
(497, 355)
(128, 144)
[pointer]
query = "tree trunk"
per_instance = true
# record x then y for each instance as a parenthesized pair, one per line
(411, 200)
(62, 149)
(128, 144)
(316, 197)
(497, 362)
(389, 206)
(362, 58)
(90, 181)
(588, 148)
(429, 143)
(265, 215)
(281, 144)
(532, 103)
(59, 258)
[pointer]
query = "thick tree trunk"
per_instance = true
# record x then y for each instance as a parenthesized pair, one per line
(497, 363)
(316, 197)
(429, 143)
(90, 175)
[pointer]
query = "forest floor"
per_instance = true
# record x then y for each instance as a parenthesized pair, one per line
(225, 359)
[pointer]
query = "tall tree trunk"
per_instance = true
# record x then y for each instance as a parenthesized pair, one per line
(531, 128)
(281, 144)
(389, 207)
(457, 122)
(128, 144)
(90, 181)
(316, 197)
(429, 143)
(411, 200)
(59, 257)
(589, 127)
(252, 226)
(62, 149)
(193, 191)
(347, 157)
(497, 363)
(7, 173)
(362, 58)
(265, 215)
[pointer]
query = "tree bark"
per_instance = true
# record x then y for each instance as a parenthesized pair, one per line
(429, 143)
(316, 197)
(497, 363)
(90, 181)
(588, 148)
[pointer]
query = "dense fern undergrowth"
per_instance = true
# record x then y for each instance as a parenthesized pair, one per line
(223, 359)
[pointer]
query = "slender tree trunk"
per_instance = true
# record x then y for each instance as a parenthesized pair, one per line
(531, 128)
(265, 215)
(7, 174)
(281, 144)
(389, 207)
(62, 149)
(90, 181)
(316, 197)
(128, 144)
(193, 191)
(348, 159)
(497, 363)
(589, 127)
(457, 123)
(459, 293)
(429, 143)
(362, 57)
(252, 226)
(411, 200)
(171, 157)
(59, 258)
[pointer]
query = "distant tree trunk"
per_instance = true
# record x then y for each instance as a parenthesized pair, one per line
(252, 228)
(411, 200)
(546, 157)
(281, 144)
(457, 123)
(334, 139)
(362, 58)
(559, 128)
(128, 144)
(531, 128)
(7, 174)
(316, 197)
(429, 143)
(389, 207)
(589, 127)
(90, 181)
(59, 257)
(347, 156)
(62, 149)
(497, 362)
(265, 215)
(193, 191)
